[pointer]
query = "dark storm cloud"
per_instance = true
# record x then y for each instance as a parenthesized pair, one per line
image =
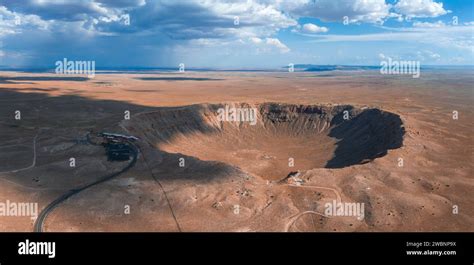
(121, 3)
(178, 19)
(57, 10)
(99, 30)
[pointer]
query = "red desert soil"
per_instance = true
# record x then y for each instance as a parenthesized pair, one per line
(234, 175)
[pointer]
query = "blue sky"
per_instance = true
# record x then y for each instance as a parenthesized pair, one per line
(204, 33)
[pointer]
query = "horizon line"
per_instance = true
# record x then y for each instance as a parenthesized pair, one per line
(276, 68)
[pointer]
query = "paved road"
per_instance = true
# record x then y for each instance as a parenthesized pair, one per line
(47, 210)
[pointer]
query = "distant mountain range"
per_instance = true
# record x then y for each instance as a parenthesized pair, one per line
(324, 68)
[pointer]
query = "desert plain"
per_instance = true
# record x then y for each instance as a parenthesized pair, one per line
(405, 153)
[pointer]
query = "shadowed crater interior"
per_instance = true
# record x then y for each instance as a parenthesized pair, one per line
(282, 139)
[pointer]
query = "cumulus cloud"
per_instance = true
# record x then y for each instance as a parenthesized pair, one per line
(15, 23)
(210, 19)
(59, 10)
(256, 40)
(312, 28)
(267, 44)
(420, 8)
(278, 44)
(193, 19)
(357, 11)
(374, 11)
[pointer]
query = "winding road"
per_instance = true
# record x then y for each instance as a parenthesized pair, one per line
(38, 227)
(294, 218)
